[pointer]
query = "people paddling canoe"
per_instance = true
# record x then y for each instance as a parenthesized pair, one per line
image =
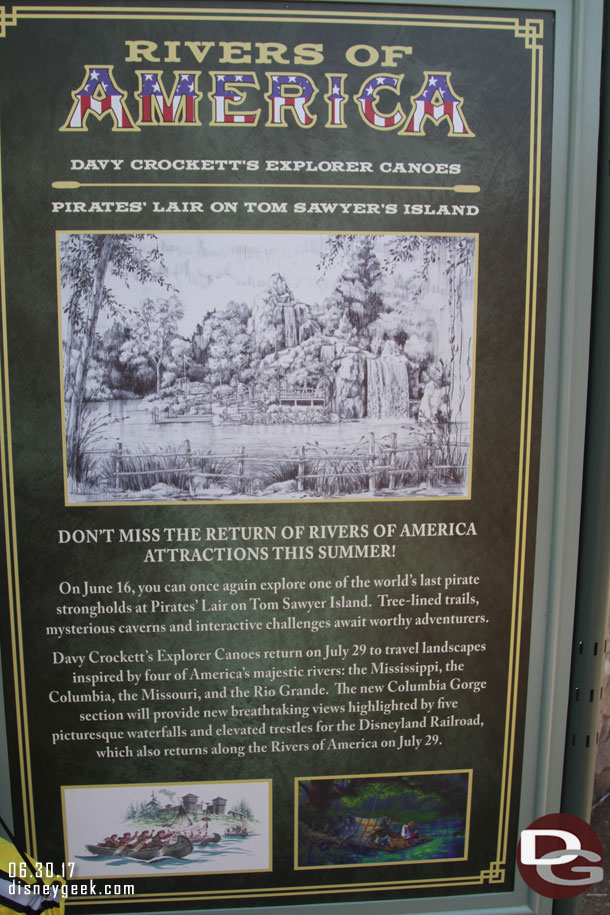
(145, 846)
(241, 831)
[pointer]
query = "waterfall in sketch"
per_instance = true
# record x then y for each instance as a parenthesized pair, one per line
(291, 333)
(387, 387)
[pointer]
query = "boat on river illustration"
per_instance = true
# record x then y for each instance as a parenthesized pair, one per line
(144, 847)
(369, 835)
(214, 839)
(236, 832)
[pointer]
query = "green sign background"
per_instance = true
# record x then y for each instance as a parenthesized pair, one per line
(501, 66)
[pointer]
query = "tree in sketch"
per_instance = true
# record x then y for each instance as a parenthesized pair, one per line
(86, 261)
(154, 327)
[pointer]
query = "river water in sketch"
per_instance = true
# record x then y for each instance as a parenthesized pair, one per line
(131, 422)
(129, 426)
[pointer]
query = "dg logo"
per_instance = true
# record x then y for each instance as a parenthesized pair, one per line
(559, 856)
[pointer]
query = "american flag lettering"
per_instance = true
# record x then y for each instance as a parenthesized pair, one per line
(178, 108)
(226, 90)
(291, 90)
(436, 100)
(99, 94)
(369, 97)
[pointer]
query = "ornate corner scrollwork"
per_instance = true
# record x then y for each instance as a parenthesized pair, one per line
(532, 31)
(6, 19)
(495, 874)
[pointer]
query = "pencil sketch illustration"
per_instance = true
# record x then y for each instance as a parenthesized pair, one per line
(391, 819)
(140, 830)
(214, 367)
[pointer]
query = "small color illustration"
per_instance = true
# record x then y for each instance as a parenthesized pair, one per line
(154, 830)
(384, 819)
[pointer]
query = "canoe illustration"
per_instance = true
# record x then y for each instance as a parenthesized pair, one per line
(179, 847)
(364, 835)
(209, 840)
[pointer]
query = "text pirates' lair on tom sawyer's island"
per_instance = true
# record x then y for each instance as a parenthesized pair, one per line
(272, 389)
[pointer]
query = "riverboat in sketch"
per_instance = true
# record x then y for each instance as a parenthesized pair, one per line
(279, 367)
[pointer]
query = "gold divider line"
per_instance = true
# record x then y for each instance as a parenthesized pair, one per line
(456, 188)
(275, 893)
(246, 15)
(12, 572)
(534, 282)
(524, 453)
(537, 140)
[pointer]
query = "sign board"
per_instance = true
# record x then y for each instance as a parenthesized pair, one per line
(276, 312)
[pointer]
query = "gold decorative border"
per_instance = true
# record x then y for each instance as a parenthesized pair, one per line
(531, 29)
(531, 32)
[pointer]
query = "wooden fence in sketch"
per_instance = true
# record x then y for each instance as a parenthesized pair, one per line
(441, 457)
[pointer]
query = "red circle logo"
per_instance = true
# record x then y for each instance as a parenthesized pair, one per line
(559, 856)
